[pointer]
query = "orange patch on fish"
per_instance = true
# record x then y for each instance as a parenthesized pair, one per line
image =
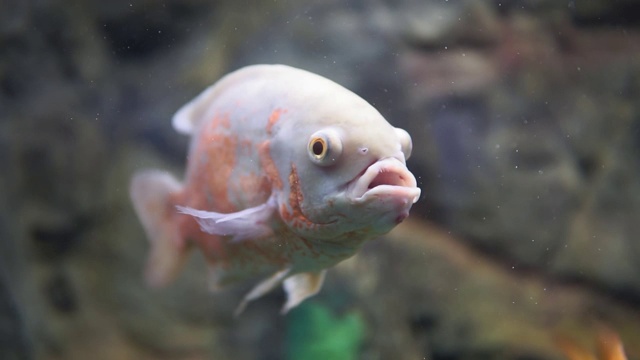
(273, 119)
(296, 217)
(255, 187)
(269, 165)
(215, 158)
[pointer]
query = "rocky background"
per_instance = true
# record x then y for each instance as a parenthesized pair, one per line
(525, 116)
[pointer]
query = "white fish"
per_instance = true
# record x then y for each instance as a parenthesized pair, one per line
(288, 174)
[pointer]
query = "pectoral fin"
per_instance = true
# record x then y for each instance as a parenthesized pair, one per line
(249, 223)
(302, 286)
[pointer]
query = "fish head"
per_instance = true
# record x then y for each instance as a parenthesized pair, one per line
(345, 172)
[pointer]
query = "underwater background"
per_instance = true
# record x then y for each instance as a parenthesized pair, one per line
(525, 119)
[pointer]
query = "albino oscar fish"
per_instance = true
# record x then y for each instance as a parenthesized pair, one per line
(288, 174)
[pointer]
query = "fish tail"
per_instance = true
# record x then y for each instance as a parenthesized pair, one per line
(151, 192)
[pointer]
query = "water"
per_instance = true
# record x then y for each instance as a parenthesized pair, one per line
(525, 127)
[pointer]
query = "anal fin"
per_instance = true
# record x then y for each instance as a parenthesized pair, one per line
(302, 286)
(262, 288)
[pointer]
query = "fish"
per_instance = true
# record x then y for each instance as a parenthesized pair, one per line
(288, 173)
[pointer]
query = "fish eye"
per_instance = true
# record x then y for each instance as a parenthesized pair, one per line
(318, 147)
(324, 147)
(405, 142)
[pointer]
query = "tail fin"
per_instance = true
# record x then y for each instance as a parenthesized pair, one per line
(150, 192)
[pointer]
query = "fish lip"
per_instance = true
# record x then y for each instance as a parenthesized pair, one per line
(389, 177)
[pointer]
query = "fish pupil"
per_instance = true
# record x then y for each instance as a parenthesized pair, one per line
(318, 148)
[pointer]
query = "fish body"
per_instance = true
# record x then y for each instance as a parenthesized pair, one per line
(288, 174)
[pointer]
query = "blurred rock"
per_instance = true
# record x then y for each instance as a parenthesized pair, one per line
(15, 337)
(448, 301)
(605, 13)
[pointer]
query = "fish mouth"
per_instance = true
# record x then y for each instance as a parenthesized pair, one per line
(387, 177)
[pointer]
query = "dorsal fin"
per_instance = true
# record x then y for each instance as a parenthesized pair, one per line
(187, 118)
